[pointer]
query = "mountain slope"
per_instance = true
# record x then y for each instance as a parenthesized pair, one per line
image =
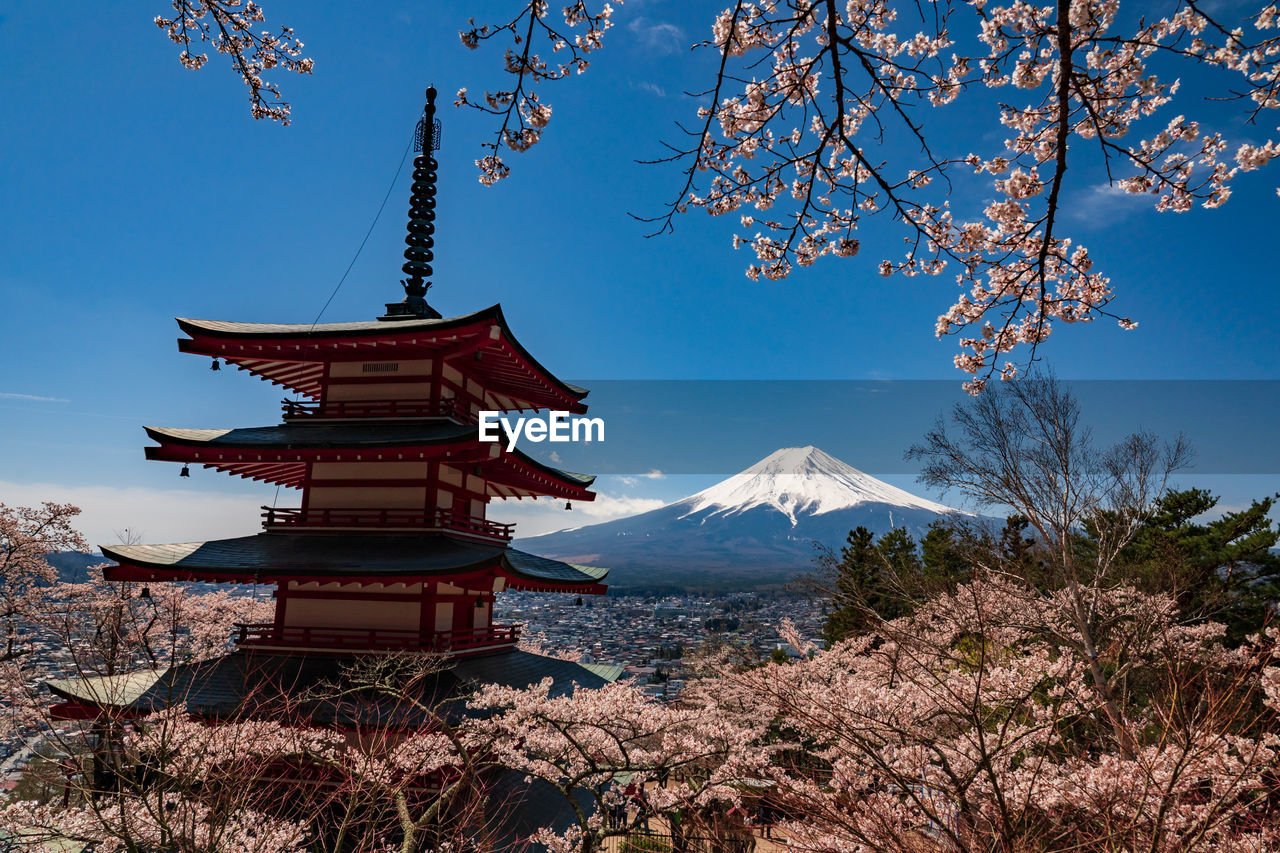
(74, 566)
(756, 527)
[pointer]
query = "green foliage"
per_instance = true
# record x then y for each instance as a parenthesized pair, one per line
(644, 844)
(1222, 570)
(721, 624)
(671, 652)
(44, 780)
(942, 552)
(873, 579)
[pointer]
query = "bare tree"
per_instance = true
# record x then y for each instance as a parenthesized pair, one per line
(1023, 446)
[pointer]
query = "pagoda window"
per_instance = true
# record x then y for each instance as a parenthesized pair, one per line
(393, 608)
(444, 499)
(371, 369)
(444, 616)
(480, 615)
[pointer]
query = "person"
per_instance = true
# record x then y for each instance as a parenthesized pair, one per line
(636, 793)
(675, 820)
(766, 817)
(617, 814)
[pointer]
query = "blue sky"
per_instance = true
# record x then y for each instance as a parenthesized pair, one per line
(135, 191)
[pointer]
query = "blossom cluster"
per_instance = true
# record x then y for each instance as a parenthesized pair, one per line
(524, 116)
(1087, 716)
(809, 91)
(229, 26)
(978, 718)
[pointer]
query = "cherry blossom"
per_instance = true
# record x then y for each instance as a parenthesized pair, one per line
(816, 118)
(976, 721)
(533, 36)
(973, 724)
(823, 113)
(229, 25)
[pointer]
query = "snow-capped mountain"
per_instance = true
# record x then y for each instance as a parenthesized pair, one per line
(758, 526)
(801, 481)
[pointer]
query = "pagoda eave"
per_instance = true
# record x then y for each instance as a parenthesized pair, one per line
(274, 558)
(224, 687)
(294, 355)
(280, 455)
(135, 573)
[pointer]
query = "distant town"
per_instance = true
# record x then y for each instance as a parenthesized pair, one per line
(651, 636)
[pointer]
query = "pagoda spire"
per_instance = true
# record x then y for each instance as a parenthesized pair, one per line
(420, 235)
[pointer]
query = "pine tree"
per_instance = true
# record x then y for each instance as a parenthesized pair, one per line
(874, 579)
(1222, 570)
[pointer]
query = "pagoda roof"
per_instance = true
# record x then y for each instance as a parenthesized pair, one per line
(247, 682)
(294, 354)
(336, 435)
(289, 446)
(397, 557)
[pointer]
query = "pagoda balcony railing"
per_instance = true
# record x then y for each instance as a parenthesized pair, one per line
(460, 641)
(311, 410)
(291, 518)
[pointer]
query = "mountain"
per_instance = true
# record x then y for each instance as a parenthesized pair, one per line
(756, 528)
(74, 566)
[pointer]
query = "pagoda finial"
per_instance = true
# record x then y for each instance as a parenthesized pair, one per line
(420, 237)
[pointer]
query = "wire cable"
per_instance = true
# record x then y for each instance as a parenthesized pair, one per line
(356, 257)
(372, 225)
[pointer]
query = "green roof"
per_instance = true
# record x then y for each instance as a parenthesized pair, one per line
(223, 686)
(116, 690)
(349, 554)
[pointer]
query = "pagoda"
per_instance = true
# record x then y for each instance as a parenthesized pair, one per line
(389, 549)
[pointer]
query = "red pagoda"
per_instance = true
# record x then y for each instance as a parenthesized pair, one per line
(389, 549)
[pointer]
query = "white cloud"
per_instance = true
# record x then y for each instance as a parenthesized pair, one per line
(658, 36)
(634, 479)
(651, 88)
(544, 515)
(187, 515)
(33, 398)
(1105, 204)
(154, 515)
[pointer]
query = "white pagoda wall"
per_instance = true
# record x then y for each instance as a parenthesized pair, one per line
(447, 607)
(351, 613)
